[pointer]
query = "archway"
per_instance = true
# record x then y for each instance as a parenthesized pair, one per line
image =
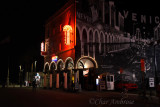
(84, 42)
(46, 75)
(69, 65)
(87, 72)
(91, 43)
(53, 68)
(78, 43)
(96, 43)
(102, 41)
(60, 74)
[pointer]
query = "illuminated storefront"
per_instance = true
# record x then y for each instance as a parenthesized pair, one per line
(77, 42)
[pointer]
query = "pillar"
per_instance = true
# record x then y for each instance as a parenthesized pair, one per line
(104, 49)
(57, 81)
(88, 49)
(82, 49)
(75, 77)
(44, 80)
(65, 80)
(94, 51)
(50, 81)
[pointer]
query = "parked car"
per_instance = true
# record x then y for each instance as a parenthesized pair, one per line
(126, 85)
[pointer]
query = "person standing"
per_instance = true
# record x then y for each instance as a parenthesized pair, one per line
(34, 85)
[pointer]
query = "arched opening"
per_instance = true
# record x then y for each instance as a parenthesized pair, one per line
(69, 65)
(112, 45)
(96, 43)
(87, 72)
(53, 68)
(102, 41)
(78, 44)
(84, 42)
(91, 43)
(60, 67)
(47, 76)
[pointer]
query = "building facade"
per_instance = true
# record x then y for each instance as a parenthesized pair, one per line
(80, 39)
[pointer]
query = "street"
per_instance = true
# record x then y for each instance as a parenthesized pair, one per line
(25, 97)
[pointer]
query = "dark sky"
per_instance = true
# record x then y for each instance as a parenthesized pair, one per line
(21, 32)
(144, 6)
(24, 21)
(22, 27)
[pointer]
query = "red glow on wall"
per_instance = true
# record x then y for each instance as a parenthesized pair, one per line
(60, 30)
(68, 30)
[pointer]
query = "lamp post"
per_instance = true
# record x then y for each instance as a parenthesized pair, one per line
(34, 69)
(20, 75)
(155, 65)
(35, 65)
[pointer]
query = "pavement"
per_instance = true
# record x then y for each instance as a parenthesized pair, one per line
(26, 97)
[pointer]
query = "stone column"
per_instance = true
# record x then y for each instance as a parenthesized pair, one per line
(50, 81)
(57, 81)
(44, 80)
(94, 51)
(75, 77)
(65, 80)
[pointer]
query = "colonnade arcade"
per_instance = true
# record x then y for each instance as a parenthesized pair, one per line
(62, 74)
(94, 40)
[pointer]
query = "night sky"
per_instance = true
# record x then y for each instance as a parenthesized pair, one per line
(24, 22)
(22, 25)
(21, 32)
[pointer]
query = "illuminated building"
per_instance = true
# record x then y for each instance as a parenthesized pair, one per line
(78, 38)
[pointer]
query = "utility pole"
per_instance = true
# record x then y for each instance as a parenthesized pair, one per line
(155, 65)
(8, 74)
(8, 78)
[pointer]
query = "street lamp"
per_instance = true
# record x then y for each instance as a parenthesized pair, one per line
(20, 75)
(20, 67)
(133, 75)
(35, 65)
(155, 64)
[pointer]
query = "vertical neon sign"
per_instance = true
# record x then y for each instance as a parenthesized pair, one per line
(67, 29)
(42, 47)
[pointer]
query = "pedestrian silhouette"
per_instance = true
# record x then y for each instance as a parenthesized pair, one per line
(34, 85)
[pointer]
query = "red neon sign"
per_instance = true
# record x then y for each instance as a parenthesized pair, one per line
(67, 29)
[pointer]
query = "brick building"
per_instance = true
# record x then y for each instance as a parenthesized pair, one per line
(78, 40)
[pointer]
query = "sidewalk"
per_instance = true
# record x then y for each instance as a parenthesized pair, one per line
(59, 97)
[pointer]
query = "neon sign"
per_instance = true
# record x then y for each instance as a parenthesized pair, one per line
(54, 58)
(67, 29)
(42, 47)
